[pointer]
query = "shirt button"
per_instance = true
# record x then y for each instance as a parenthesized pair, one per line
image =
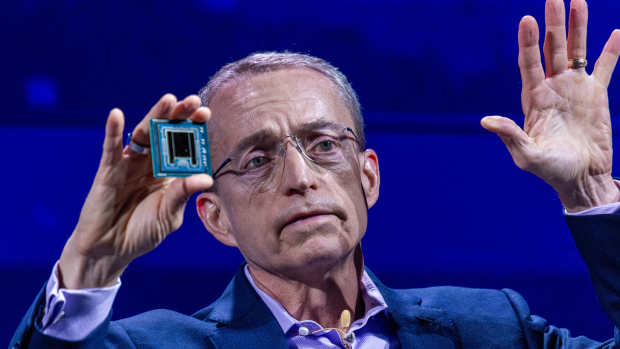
(304, 331)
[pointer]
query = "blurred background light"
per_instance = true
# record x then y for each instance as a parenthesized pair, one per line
(41, 92)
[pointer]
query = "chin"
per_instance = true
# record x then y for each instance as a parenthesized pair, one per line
(320, 252)
(317, 245)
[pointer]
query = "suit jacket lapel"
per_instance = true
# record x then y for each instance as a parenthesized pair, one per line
(417, 326)
(243, 319)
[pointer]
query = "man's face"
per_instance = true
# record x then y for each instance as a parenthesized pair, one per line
(307, 217)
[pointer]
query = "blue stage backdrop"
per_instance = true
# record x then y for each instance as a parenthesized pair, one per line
(453, 207)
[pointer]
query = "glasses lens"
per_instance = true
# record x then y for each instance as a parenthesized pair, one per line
(320, 150)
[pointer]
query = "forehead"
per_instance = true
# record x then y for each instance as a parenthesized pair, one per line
(276, 101)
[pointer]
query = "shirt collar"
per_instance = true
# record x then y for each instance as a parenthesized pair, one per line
(373, 301)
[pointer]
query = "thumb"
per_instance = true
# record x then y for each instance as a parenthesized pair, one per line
(519, 144)
(179, 191)
(504, 127)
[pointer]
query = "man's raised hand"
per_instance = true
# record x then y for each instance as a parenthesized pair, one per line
(128, 212)
(566, 138)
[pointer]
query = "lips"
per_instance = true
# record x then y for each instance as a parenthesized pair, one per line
(301, 216)
(295, 215)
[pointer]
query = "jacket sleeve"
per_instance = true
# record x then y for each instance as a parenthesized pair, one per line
(598, 240)
(539, 334)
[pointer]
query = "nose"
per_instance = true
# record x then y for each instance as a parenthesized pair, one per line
(298, 175)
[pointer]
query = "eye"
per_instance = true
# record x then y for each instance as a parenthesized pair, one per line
(256, 162)
(325, 145)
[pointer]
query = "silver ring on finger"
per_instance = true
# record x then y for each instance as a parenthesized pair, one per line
(137, 148)
(577, 63)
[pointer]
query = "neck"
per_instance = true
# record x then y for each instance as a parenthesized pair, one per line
(320, 296)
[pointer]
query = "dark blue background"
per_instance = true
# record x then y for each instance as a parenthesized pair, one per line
(453, 207)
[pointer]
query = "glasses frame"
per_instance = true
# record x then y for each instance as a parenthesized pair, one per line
(282, 141)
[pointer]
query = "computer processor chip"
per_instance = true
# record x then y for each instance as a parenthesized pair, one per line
(179, 148)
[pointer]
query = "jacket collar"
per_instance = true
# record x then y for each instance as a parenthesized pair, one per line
(238, 306)
(417, 326)
(243, 318)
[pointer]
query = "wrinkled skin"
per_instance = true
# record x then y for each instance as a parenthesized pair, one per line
(127, 212)
(566, 138)
(308, 263)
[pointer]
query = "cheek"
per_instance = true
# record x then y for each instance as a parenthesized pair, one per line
(249, 221)
(356, 206)
(354, 201)
(251, 232)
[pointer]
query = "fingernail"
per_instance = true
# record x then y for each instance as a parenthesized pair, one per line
(205, 179)
(207, 111)
(490, 121)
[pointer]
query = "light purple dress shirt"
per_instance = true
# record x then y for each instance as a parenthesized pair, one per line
(74, 314)
(371, 331)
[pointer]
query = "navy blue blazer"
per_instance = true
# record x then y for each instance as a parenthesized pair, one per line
(435, 317)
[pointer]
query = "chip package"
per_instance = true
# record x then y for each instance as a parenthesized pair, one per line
(179, 148)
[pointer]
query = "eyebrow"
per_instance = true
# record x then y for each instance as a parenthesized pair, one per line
(248, 141)
(320, 124)
(265, 134)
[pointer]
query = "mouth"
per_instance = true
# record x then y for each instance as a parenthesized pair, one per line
(309, 217)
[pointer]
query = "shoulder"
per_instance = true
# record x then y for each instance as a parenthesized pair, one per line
(481, 317)
(459, 303)
(469, 300)
(474, 303)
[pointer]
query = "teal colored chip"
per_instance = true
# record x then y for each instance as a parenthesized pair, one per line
(179, 148)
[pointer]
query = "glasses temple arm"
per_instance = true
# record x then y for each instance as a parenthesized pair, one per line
(221, 167)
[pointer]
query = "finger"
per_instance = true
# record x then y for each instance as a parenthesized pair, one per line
(556, 59)
(202, 114)
(113, 142)
(505, 127)
(185, 108)
(606, 63)
(180, 190)
(577, 29)
(532, 73)
(162, 109)
(516, 140)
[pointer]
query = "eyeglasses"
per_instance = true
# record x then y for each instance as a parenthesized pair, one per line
(326, 147)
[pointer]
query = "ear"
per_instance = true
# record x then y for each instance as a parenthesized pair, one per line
(208, 205)
(370, 176)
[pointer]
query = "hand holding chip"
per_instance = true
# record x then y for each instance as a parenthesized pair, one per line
(128, 212)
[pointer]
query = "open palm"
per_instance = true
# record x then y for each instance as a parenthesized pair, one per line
(566, 138)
